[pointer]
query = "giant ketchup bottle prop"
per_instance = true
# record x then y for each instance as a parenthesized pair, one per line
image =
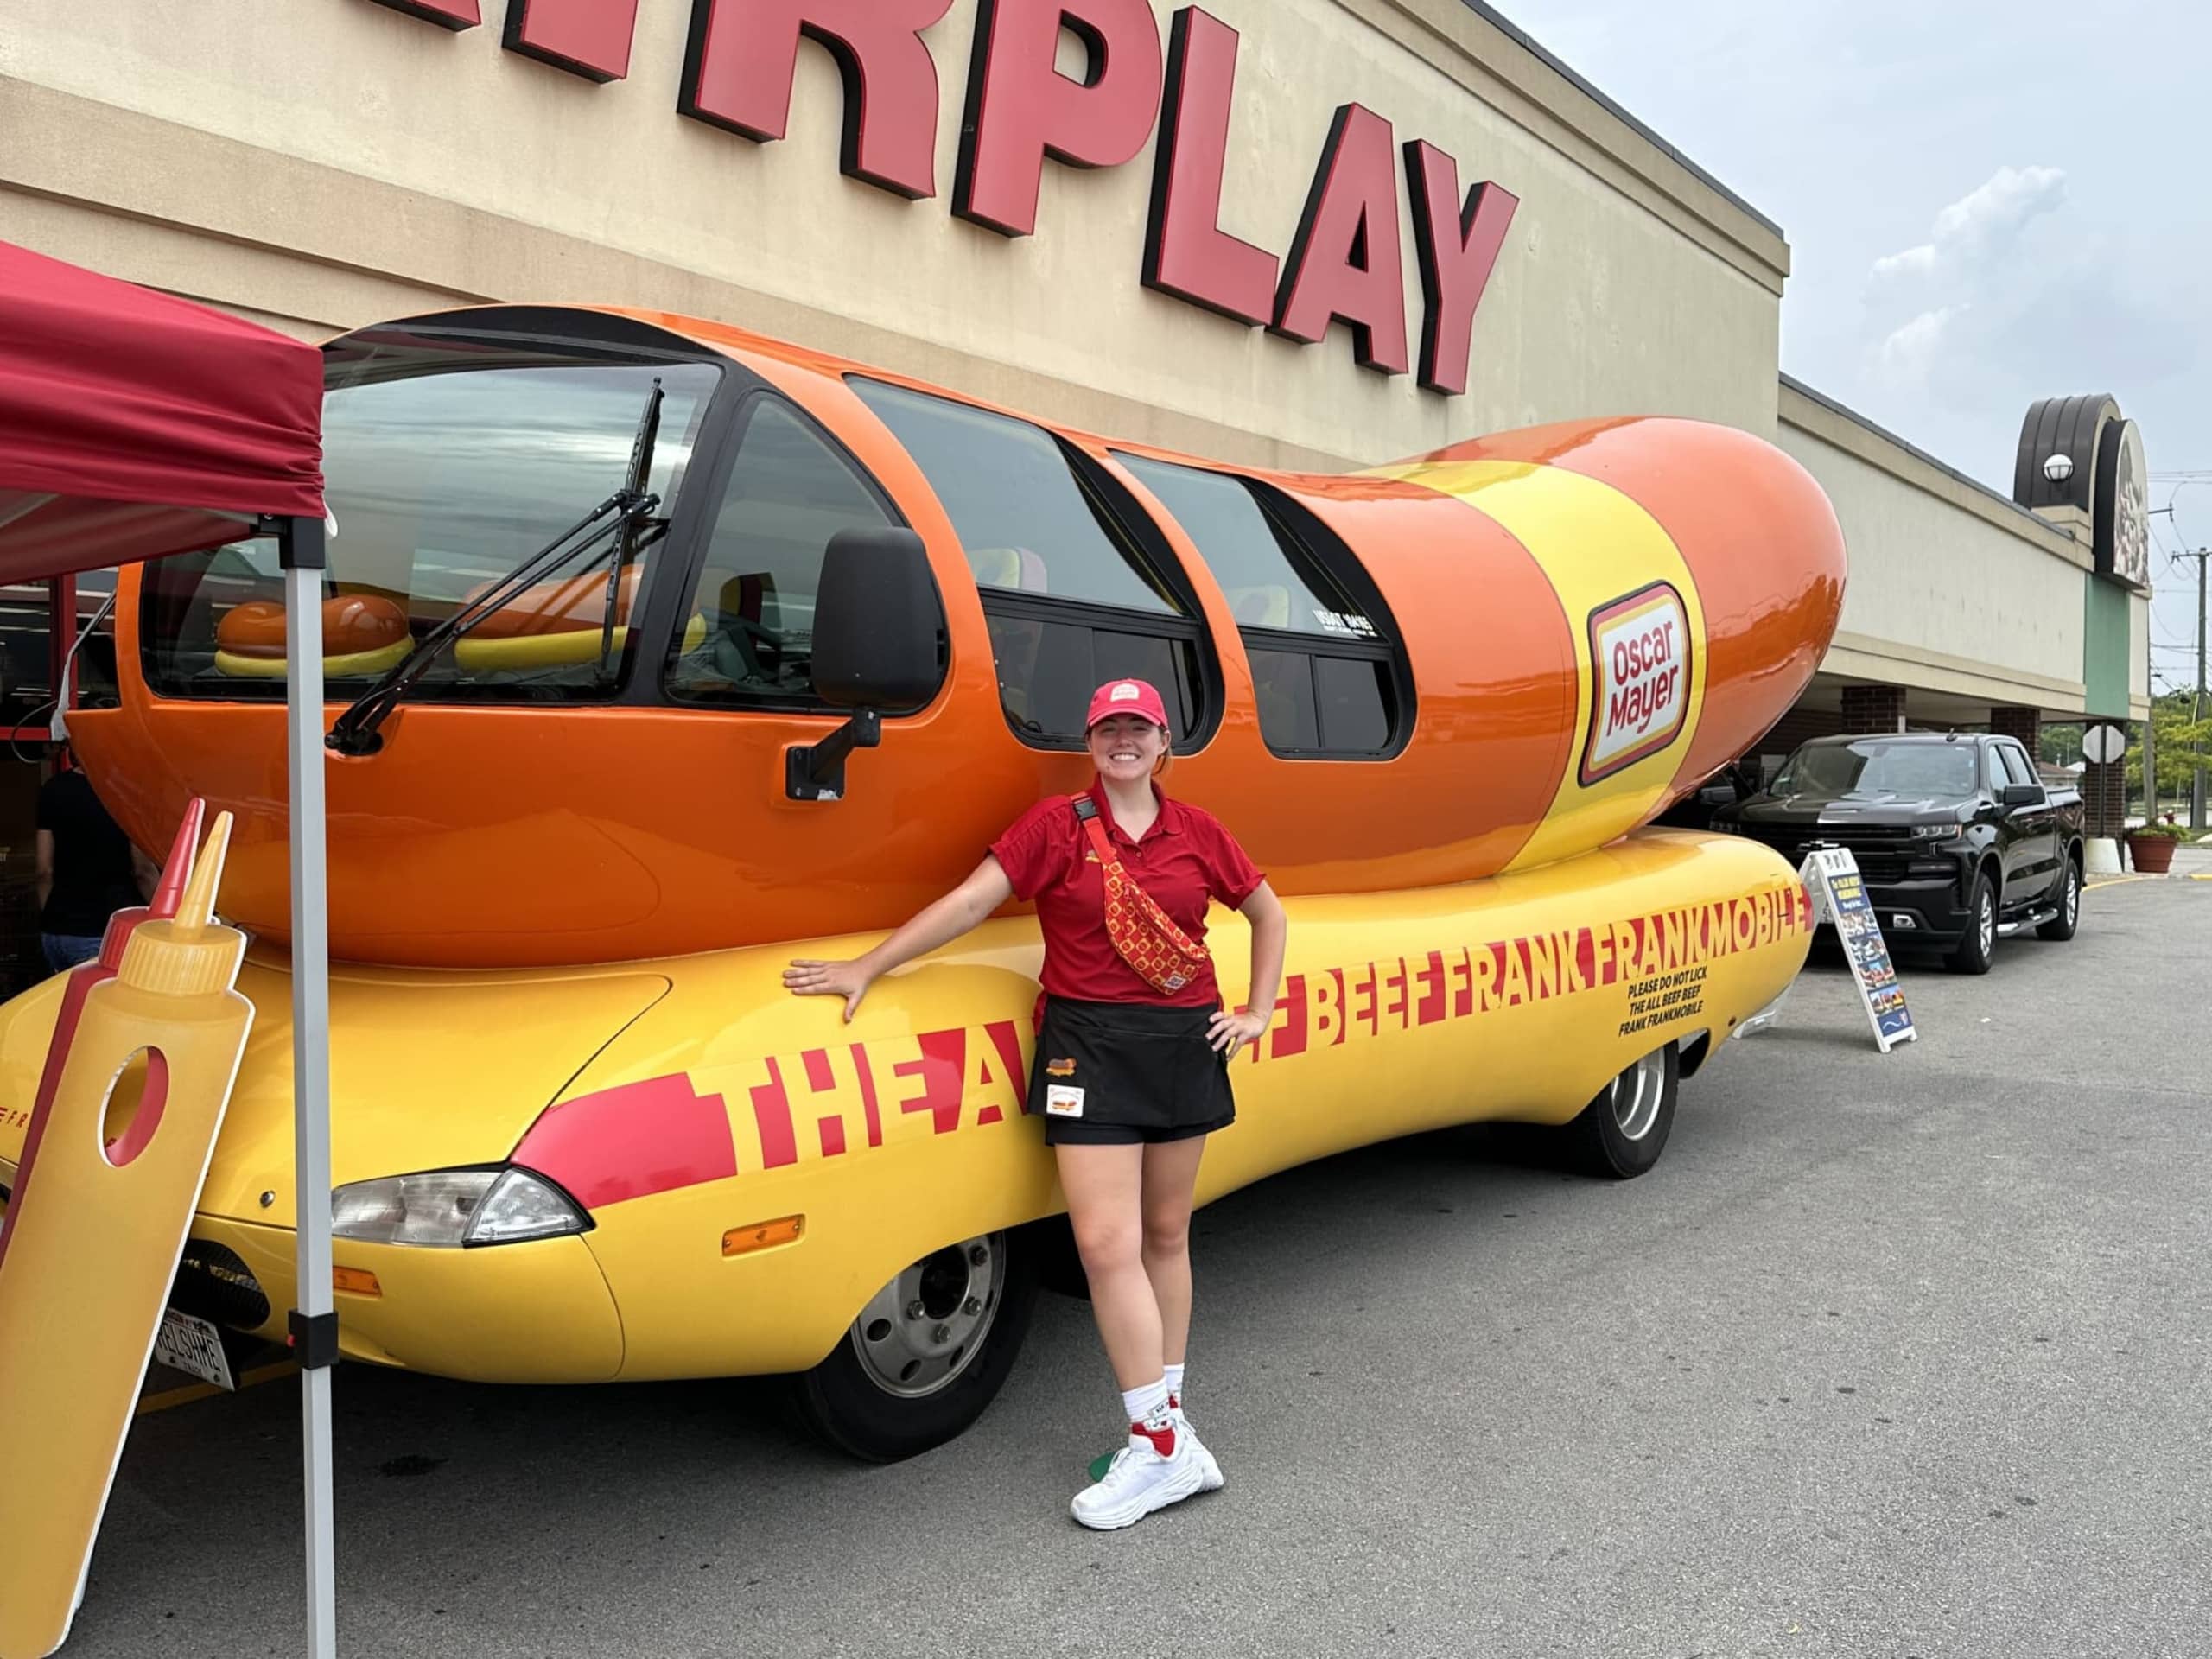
(98, 1223)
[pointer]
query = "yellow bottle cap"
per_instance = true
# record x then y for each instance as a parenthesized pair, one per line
(188, 954)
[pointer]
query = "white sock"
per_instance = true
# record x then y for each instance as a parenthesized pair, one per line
(1137, 1404)
(1175, 1383)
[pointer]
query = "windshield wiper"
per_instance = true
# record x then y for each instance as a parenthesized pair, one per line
(355, 731)
(641, 472)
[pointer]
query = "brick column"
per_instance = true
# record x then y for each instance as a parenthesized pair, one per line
(2026, 724)
(2104, 797)
(1869, 708)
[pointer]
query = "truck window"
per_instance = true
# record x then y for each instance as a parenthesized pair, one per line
(449, 464)
(747, 639)
(2017, 769)
(1321, 664)
(1071, 595)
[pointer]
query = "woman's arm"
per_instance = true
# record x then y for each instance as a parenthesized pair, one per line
(45, 844)
(983, 892)
(1270, 928)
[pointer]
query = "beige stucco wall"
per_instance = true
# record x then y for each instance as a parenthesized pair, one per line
(1953, 590)
(321, 163)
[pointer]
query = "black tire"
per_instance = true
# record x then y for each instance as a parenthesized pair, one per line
(1972, 954)
(1621, 1133)
(855, 1400)
(2063, 925)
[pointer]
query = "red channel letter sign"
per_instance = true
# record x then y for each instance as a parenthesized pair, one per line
(1343, 264)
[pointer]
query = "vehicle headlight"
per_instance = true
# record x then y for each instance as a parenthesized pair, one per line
(454, 1209)
(1937, 831)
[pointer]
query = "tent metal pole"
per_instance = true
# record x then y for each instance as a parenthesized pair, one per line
(314, 1322)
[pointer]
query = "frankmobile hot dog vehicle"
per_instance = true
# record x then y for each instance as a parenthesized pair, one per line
(659, 653)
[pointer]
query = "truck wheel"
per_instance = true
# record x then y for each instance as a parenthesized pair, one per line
(1621, 1133)
(2062, 926)
(1972, 954)
(927, 1354)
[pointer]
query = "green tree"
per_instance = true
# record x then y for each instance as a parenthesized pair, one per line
(2178, 740)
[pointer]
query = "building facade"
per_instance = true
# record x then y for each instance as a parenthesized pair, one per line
(1306, 233)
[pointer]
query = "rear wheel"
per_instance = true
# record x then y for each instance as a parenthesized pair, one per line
(2062, 926)
(927, 1354)
(1621, 1133)
(1972, 954)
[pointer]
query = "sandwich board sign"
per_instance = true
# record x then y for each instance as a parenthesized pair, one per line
(1840, 897)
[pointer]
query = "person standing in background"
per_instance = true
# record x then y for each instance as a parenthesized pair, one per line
(87, 870)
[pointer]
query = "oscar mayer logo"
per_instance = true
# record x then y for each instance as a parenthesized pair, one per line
(1639, 679)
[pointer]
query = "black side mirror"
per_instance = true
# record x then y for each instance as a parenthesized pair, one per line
(876, 623)
(2020, 794)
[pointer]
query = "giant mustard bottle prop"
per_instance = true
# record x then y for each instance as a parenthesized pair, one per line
(93, 1238)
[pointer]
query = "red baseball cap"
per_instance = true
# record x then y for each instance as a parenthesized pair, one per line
(1126, 697)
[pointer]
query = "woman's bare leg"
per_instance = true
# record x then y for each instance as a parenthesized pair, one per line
(1102, 1185)
(1171, 1173)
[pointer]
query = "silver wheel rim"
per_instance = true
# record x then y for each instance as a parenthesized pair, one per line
(927, 1326)
(1985, 922)
(2073, 895)
(1637, 1094)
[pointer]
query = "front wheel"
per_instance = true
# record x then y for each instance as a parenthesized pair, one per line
(927, 1354)
(1621, 1133)
(2062, 926)
(1972, 954)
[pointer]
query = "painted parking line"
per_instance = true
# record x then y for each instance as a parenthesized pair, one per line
(2118, 881)
(170, 1399)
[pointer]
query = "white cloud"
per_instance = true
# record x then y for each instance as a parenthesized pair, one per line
(1981, 227)
(1910, 351)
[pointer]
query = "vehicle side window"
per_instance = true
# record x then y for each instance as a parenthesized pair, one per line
(1322, 667)
(1072, 597)
(748, 636)
(2017, 769)
(1994, 762)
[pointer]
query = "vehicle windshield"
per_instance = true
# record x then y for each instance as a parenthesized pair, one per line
(449, 464)
(1872, 767)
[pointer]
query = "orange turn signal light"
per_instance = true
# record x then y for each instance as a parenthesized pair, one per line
(763, 1235)
(355, 1281)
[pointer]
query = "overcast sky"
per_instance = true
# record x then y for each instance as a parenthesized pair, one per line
(1987, 202)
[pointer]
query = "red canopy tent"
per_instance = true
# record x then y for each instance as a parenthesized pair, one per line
(132, 425)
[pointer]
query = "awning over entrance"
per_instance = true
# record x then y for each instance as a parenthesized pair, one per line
(133, 424)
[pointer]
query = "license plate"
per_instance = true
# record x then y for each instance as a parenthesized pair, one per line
(187, 1343)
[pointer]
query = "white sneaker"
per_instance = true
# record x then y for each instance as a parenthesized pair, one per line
(1143, 1476)
(1210, 1478)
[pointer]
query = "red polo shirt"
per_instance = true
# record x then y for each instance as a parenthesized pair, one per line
(1184, 861)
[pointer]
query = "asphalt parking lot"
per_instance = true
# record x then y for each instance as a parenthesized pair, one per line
(1890, 1355)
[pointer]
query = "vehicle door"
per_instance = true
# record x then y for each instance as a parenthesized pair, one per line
(2029, 828)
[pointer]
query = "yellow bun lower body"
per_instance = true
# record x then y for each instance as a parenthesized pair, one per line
(474, 654)
(352, 664)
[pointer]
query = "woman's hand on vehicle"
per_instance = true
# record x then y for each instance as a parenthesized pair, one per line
(1230, 1032)
(807, 977)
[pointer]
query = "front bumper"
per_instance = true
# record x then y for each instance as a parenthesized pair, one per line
(1924, 911)
(539, 1311)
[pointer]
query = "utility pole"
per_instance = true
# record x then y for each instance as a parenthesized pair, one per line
(2196, 704)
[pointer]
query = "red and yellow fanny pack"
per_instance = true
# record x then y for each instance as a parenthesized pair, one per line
(1162, 955)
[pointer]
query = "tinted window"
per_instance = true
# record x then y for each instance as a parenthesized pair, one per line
(1023, 520)
(449, 465)
(749, 633)
(2017, 768)
(1268, 583)
(1873, 767)
(1354, 699)
(1323, 670)
(1047, 671)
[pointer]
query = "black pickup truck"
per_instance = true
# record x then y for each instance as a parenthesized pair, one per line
(1958, 838)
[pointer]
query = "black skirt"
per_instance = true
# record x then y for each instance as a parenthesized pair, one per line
(1122, 1073)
